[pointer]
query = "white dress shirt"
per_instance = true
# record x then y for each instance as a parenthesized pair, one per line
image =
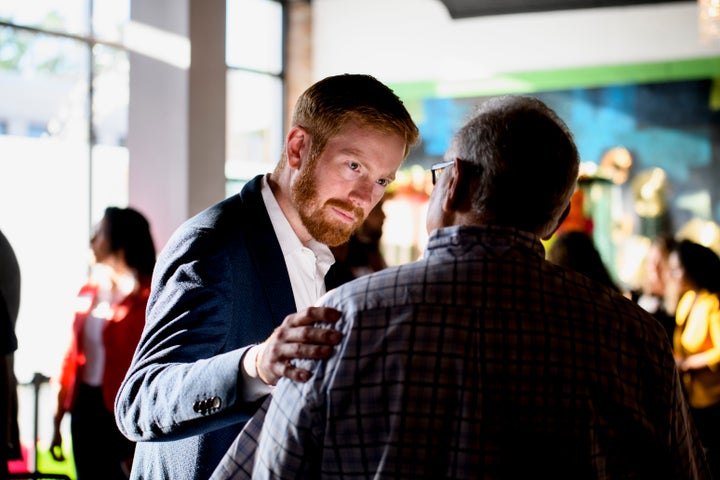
(307, 266)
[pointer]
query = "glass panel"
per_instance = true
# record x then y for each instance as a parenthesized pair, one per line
(44, 186)
(254, 125)
(111, 94)
(110, 18)
(254, 35)
(110, 170)
(110, 125)
(67, 16)
(44, 82)
(52, 190)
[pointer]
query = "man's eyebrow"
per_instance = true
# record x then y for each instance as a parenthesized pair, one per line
(351, 151)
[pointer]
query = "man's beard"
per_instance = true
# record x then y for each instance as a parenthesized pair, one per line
(316, 218)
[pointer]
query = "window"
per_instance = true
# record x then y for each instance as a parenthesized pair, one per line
(254, 40)
(64, 160)
(64, 156)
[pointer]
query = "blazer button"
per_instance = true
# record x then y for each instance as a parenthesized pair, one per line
(206, 406)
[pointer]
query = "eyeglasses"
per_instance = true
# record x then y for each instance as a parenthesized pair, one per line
(437, 169)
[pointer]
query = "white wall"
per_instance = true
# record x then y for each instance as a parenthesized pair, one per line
(176, 129)
(158, 119)
(416, 40)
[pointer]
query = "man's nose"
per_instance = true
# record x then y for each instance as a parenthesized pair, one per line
(362, 193)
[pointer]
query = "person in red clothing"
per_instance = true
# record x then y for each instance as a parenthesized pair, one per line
(109, 319)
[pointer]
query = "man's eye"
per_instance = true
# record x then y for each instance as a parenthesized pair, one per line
(354, 166)
(383, 182)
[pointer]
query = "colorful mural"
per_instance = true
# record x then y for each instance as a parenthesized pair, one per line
(671, 126)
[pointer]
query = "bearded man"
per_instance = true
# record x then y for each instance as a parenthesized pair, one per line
(220, 327)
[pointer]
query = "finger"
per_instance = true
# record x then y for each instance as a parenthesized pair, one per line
(309, 335)
(325, 335)
(293, 342)
(313, 315)
(280, 366)
(290, 351)
(288, 343)
(296, 374)
(324, 314)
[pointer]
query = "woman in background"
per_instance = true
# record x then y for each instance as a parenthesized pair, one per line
(651, 295)
(576, 250)
(692, 293)
(109, 318)
(362, 253)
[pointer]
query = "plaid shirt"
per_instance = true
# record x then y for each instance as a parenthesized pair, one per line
(481, 360)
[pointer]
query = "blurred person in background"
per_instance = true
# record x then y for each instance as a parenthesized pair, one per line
(109, 319)
(693, 285)
(576, 250)
(9, 307)
(362, 254)
(651, 295)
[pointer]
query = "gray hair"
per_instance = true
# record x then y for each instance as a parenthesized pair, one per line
(528, 162)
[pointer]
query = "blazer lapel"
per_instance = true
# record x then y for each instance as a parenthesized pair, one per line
(266, 254)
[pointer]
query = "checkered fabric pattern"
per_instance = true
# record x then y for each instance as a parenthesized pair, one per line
(481, 360)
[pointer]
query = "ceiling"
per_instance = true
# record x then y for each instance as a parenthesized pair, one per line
(478, 8)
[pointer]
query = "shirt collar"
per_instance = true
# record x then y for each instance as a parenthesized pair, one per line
(464, 237)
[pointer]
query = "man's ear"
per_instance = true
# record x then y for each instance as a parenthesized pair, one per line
(458, 190)
(298, 142)
(562, 218)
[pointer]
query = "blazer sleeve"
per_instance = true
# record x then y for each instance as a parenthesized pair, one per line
(207, 306)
